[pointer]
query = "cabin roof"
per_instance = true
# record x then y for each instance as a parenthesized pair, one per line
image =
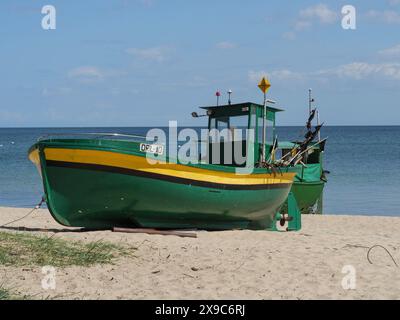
(241, 105)
(291, 145)
(286, 145)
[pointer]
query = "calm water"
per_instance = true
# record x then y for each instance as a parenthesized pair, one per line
(364, 163)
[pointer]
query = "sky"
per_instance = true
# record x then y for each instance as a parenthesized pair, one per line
(147, 62)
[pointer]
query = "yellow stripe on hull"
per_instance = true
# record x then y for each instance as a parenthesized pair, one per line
(114, 159)
(35, 158)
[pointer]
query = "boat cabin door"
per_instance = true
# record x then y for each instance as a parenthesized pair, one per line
(228, 135)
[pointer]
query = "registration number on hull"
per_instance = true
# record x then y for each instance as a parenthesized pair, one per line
(152, 148)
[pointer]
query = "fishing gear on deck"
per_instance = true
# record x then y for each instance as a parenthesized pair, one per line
(300, 150)
(275, 169)
(295, 160)
(272, 150)
(309, 121)
(310, 136)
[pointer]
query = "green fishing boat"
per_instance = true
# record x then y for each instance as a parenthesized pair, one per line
(308, 185)
(100, 181)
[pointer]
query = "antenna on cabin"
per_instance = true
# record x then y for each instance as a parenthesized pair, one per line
(229, 96)
(218, 94)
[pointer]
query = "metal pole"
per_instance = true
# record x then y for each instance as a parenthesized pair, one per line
(309, 101)
(264, 127)
(218, 94)
(319, 132)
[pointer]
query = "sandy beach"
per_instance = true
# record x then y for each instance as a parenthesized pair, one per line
(224, 265)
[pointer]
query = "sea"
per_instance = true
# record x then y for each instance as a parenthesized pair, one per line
(363, 161)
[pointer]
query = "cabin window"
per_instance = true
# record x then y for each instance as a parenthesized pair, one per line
(235, 122)
(312, 156)
(270, 132)
(219, 123)
(269, 136)
(239, 122)
(253, 119)
(222, 150)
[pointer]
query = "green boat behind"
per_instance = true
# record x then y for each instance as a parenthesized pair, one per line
(309, 183)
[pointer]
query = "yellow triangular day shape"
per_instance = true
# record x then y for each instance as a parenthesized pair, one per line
(264, 85)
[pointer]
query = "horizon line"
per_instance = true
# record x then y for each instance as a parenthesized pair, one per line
(278, 126)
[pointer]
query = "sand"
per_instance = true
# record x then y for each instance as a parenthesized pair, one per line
(227, 265)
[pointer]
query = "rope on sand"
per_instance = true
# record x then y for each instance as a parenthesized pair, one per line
(25, 216)
(378, 245)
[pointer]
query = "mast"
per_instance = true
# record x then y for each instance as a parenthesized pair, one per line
(264, 85)
(310, 101)
(264, 126)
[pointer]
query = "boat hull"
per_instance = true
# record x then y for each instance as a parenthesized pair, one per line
(102, 187)
(307, 194)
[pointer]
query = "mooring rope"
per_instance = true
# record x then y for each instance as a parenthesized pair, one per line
(378, 245)
(25, 216)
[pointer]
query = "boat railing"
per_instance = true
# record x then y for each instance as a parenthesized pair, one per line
(101, 135)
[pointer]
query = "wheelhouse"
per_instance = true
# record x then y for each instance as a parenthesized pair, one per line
(244, 122)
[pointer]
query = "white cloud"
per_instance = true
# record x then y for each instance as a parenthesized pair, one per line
(91, 74)
(387, 16)
(354, 71)
(317, 14)
(393, 51)
(283, 74)
(320, 12)
(363, 70)
(302, 25)
(225, 45)
(86, 73)
(158, 54)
